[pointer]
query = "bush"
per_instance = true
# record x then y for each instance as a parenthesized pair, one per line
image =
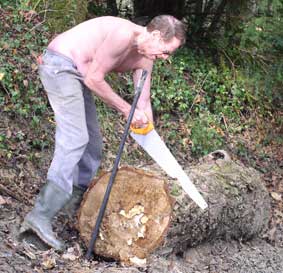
(191, 84)
(206, 135)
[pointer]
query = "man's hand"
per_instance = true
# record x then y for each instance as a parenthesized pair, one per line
(140, 119)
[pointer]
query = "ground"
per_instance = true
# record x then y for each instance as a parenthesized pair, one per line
(23, 173)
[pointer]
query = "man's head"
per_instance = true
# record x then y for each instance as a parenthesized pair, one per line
(169, 27)
(164, 34)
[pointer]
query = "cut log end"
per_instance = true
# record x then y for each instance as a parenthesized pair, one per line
(136, 218)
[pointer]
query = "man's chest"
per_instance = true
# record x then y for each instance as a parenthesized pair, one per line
(129, 62)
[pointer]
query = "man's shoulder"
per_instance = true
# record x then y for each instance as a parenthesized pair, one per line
(109, 19)
(118, 25)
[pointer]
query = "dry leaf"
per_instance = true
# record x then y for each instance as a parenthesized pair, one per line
(6, 46)
(276, 196)
(33, 66)
(49, 263)
(2, 76)
(30, 254)
(2, 201)
(25, 82)
(69, 256)
(198, 99)
(8, 133)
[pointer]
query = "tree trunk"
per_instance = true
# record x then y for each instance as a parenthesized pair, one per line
(142, 214)
(157, 7)
(200, 17)
(112, 7)
(218, 14)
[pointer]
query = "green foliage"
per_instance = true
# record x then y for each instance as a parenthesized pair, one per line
(206, 95)
(262, 42)
(60, 15)
(170, 90)
(193, 95)
(254, 47)
(176, 190)
(8, 3)
(21, 96)
(19, 85)
(191, 84)
(206, 135)
(97, 8)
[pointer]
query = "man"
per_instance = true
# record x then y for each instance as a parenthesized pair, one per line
(75, 65)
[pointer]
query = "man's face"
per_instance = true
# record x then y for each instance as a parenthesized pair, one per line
(156, 48)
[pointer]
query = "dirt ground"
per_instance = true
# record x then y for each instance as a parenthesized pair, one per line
(22, 177)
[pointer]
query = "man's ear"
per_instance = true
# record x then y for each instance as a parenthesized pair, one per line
(156, 34)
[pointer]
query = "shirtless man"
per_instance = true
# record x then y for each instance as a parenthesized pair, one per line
(73, 66)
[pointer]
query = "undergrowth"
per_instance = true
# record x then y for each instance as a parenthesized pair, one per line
(197, 104)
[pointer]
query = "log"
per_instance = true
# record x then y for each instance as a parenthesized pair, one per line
(238, 204)
(148, 212)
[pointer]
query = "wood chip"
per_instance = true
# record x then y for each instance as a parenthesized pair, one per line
(137, 261)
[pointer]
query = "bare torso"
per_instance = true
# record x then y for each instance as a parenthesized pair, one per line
(110, 44)
(95, 39)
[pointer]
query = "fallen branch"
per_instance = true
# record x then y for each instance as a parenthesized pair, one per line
(6, 191)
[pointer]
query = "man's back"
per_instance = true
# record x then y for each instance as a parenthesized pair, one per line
(82, 42)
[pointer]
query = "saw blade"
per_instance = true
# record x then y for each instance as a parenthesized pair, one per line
(156, 148)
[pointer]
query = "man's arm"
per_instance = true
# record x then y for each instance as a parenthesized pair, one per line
(144, 103)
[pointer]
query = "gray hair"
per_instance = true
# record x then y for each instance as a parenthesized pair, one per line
(169, 27)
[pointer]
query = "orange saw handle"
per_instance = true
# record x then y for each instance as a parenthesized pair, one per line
(142, 130)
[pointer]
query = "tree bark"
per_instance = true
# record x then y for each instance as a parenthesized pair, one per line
(219, 12)
(239, 204)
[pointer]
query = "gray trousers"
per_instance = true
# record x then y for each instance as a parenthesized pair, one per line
(78, 141)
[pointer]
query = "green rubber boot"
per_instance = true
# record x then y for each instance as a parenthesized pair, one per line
(74, 203)
(49, 202)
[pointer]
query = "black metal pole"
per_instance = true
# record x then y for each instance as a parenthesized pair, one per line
(116, 164)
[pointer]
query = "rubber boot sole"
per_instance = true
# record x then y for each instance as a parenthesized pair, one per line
(27, 226)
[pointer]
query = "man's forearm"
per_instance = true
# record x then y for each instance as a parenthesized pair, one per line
(145, 106)
(103, 90)
(148, 111)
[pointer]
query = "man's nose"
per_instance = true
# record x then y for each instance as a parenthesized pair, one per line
(164, 56)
